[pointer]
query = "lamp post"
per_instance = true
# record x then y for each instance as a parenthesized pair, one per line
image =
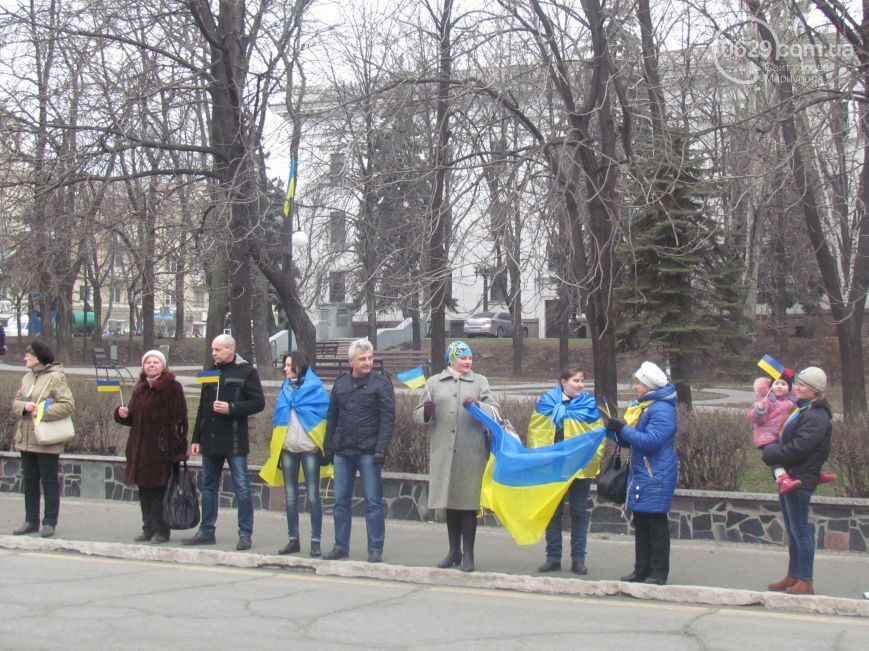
(485, 272)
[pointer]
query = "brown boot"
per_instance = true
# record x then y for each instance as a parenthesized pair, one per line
(801, 587)
(784, 584)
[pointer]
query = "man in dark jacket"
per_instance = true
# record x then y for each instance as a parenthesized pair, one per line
(358, 432)
(220, 434)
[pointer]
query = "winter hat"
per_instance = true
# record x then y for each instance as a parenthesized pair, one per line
(455, 350)
(42, 352)
(154, 353)
(788, 376)
(651, 375)
(813, 378)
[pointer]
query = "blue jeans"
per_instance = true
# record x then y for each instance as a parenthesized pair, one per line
(375, 515)
(310, 463)
(577, 495)
(801, 544)
(212, 466)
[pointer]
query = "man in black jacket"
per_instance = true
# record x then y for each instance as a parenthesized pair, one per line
(220, 434)
(358, 432)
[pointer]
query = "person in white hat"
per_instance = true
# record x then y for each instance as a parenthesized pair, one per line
(802, 448)
(649, 430)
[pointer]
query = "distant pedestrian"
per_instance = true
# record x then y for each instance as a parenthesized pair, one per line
(358, 433)
(44, 381)
(221, 435)
(2, 340)
(297, 445)
(457, 449)
(157, 417)
(565, 412)
(649, 430)
(802, 448)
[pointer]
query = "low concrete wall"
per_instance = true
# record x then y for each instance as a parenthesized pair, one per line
(840, 523)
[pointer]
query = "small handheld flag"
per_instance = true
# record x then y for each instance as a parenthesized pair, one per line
(208, 377)
(414, 378)
(41, 408)
(108, 386)
(771, 367)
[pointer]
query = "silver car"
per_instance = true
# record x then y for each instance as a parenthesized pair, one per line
(491, 324)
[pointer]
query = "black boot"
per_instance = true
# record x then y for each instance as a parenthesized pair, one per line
(469, 535)
(454, 533)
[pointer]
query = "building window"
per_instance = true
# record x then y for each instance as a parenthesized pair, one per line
(337, 286)
(169, 299)
(337, 229)
(117, 294)
(498, 289)
(199, 298)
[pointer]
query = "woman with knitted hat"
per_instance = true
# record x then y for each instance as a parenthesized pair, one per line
(802, 448)
(157, 418)
(44, 384)
(457, 449)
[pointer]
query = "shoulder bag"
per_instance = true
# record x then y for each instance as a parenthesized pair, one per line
(612, 483)
(52, 432)
(181, 500)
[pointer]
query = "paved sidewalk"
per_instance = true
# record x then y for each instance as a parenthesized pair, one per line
(701, 572)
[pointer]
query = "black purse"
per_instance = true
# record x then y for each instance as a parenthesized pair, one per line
(612, 483)
(181, 500)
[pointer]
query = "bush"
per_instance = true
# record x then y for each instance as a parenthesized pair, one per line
(850, 455)
(712, 447)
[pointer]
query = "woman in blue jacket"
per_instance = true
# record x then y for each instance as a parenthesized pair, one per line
(650, 433)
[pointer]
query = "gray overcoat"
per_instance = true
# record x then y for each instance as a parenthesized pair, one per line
(457, 442)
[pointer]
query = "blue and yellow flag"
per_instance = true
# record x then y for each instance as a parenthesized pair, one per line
(311, 404)
(575, 418)
(210, 376)
(523, 486)
(414, 378)
(771, 366)
(291, 186)
(41, 408)
(108, 386)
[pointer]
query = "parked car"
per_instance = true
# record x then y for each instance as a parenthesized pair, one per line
(492, 324)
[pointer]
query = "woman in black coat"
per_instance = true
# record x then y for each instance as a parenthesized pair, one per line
(157, 418)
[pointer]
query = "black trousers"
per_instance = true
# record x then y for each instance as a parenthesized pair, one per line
(652, 545)
(151, 501)
(36, 469)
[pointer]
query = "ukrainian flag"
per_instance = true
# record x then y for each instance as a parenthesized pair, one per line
(291, 186)
(108, 386)
(414, 378)
(311, 404)
(523, 486)
(208, 377)
(771, 366)
(41, 408)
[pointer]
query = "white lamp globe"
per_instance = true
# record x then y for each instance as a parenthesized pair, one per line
(300, 239)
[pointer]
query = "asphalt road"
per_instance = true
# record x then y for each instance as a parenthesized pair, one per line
(66, 601)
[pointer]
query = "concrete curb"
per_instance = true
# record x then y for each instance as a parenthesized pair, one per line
(682, 594)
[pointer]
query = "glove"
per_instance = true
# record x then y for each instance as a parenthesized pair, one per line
(613, 424)
(428, 409)
(467, 402)
(379, 458)
(326, 457)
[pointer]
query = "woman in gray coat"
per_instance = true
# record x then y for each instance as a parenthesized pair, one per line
(457, 449)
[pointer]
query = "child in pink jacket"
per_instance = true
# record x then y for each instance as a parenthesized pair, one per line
(769, 413)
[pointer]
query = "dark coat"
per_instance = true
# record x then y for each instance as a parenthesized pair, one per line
(2, 341)
(240, 386)
(157, 420)
(804, 444)
(361, 415)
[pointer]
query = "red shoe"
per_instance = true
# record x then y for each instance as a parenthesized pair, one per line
(786, 484)
(801, 587)
(827, 477)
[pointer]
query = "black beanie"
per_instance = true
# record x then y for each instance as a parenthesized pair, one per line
(42, 352)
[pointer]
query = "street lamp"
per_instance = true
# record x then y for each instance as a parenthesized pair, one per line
(299, 238)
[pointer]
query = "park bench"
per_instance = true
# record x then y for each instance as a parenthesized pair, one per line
(396, 361)
(110, 367)
(329, 368)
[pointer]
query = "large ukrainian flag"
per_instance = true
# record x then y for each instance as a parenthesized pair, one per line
(524, 486)
(311, 402)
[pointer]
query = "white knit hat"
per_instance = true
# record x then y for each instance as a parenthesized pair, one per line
(813, 378)
(651, 375)
(154, 353)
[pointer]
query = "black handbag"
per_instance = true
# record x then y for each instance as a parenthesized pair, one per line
(612, 483)
(181, 500)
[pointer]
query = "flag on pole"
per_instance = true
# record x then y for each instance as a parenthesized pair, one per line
(41, 408)
(772, 367)
(291, 186)
(108, 386)
(414, 378)
(210, 376)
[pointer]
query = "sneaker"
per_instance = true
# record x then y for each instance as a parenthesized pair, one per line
(786, 484)
(244, 543)
(291, 547)
(335, 555)
(27, 527)
(827, 477)
(200, 539)
(47, 531)
(159, 538)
